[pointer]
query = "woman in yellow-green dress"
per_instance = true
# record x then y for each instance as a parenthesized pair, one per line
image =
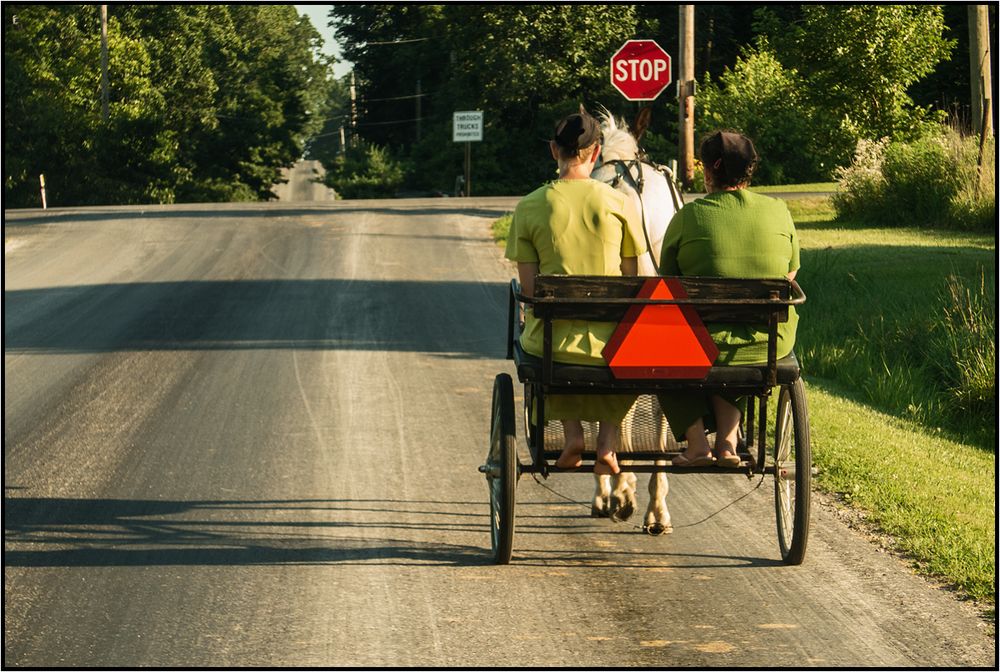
(575, 225)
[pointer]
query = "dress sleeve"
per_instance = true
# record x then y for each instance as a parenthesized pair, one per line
(793, 263)
(671, 244)
(633, 240)
(519, 245)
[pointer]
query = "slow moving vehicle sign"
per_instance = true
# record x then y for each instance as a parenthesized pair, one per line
(636, 349)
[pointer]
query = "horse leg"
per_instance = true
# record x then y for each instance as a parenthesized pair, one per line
(622, 503)
(657, 518)
(600, 507)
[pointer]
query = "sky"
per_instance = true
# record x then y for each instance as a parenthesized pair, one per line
(318, 16)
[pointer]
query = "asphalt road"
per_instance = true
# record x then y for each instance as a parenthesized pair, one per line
(248, 435)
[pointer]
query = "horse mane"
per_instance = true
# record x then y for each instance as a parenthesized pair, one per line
(618, 142)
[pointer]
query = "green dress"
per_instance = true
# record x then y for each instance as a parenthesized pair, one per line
(575, 227)
(730, 234)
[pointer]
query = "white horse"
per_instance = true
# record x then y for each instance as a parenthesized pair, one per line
(655, 195)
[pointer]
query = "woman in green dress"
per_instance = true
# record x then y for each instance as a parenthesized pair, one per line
(575, 225)
(730, 233)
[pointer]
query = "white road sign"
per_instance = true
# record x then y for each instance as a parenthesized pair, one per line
(468, 127)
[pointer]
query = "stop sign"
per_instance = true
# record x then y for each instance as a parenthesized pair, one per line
(640, 70)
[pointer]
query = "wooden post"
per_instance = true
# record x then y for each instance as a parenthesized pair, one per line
(41, 182)
(685, 94)
(980, 74)
(104, 62)
(468, 169)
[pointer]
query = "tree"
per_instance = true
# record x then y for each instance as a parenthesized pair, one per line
(207, 102)
(766, 101)
(523, 65)
(859, 61)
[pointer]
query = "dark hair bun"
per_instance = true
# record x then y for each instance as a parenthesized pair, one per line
(577, 131)
(730, 156)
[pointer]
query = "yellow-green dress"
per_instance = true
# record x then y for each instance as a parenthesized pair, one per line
(730, 234)
(575, 227)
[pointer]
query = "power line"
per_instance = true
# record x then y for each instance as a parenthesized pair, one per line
(379, 100)
(415, 39)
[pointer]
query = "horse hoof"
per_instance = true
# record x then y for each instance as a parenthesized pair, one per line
(656, 529)
(598, 512)
(623, 512)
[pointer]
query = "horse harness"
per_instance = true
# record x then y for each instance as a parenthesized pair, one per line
(623, 170)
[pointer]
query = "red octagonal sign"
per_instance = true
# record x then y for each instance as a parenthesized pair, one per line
(640, 70)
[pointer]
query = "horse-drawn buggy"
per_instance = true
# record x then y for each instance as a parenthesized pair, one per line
(655, 316)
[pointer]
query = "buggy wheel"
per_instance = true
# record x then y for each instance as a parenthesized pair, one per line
(792, 473)
(502, 472)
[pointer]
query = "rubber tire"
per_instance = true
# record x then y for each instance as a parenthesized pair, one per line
(792, 495)
(503, 458)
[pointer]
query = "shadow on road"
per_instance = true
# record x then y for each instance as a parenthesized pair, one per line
(453, 319)
(59, 532)
(67, 532)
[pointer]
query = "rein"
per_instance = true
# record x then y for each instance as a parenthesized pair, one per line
(623, 170)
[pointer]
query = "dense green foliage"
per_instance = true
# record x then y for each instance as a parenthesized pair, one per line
(206, 102)
(805, 81)
(819, 82)
(932, 181)
(209, 102)
(765, 100)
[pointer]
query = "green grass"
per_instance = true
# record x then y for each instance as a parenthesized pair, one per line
(881, 324)
(828, 187)
(884, 355)
(891, 432)
(501, 228)
(934, 496)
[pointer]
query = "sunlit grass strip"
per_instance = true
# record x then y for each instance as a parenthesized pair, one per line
(828, 187)
(501, 228)
(934, 496)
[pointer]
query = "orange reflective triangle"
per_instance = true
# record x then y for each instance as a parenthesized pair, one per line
(661, 341)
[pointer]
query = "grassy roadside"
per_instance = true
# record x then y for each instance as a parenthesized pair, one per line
(828, 187)
(933, 496)
(892, 436)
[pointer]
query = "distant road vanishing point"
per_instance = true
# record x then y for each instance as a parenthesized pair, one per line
(304, 183)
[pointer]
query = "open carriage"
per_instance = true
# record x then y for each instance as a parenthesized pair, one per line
(772, 443)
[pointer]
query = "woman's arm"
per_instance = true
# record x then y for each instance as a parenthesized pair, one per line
(630, 266)
(526, 272)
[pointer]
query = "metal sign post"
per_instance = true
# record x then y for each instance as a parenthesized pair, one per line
(467, 127)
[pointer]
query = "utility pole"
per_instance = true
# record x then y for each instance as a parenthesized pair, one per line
(685, 95)
(980, 75)
(104, 62)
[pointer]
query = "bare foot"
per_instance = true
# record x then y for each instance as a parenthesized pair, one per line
(606, 463)
(569, 460)
(571, 456)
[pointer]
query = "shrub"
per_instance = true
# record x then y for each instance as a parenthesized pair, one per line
(368, 171)
(930, 182)
(763, 99)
